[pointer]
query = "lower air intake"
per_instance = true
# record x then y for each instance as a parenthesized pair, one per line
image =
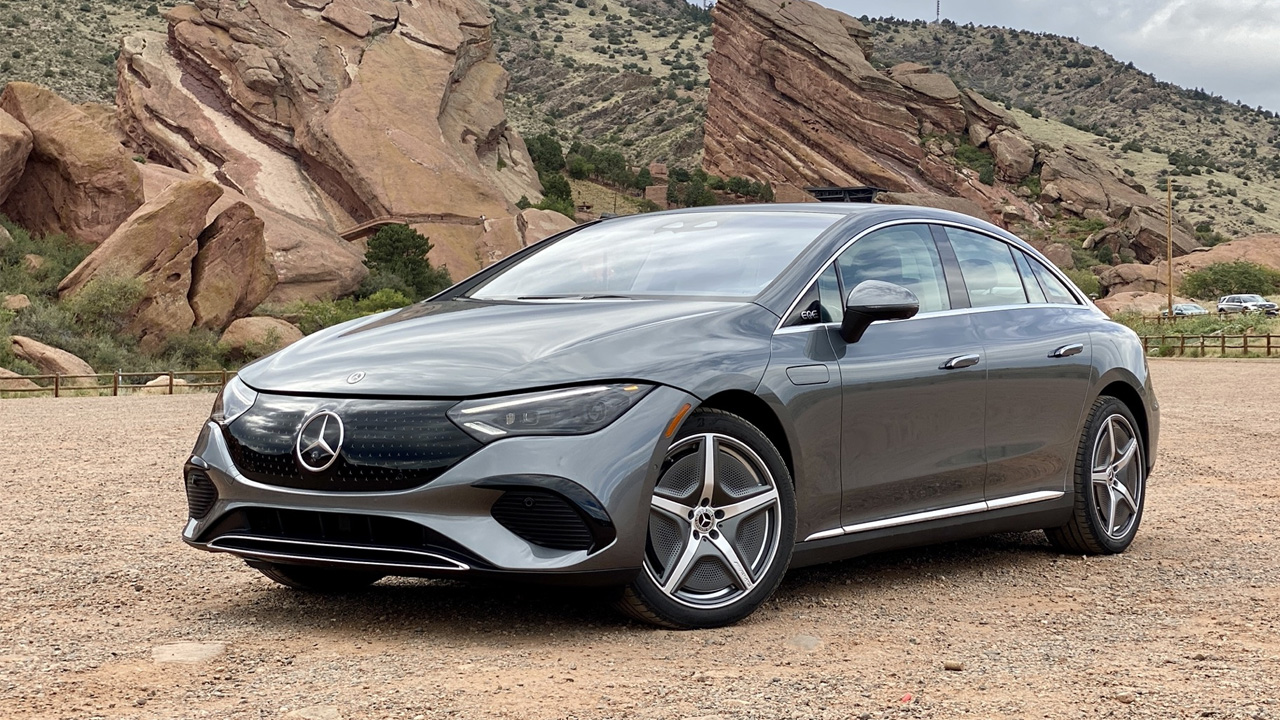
(201, 493)
(543, 518)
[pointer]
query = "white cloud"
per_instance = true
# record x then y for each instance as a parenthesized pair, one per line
(1227, 47)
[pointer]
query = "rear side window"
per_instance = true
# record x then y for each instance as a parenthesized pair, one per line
(989, 271)
(1053, 287)
(903, 255)
(1029, 282)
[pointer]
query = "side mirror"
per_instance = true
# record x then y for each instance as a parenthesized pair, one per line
(874, 300)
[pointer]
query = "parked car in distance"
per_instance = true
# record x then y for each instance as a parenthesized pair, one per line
(1245, 304)
(682, 405)
(1185, 309)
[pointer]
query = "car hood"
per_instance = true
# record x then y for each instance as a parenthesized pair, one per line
(463, 348)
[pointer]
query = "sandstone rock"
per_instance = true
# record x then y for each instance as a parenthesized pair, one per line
(1133, 277)
(231, 275)
(1147, 230)
(77, 180)
(1263, 249)
(32, 262)
(160, 386)
(1014, 155)
(52, 361)
(10, 380)
(266, 333)
(5, 238)
(158, 245)
(1059, 254)
(984, 111)
(311, 262)
(1139, 303)
(15, 146)
(105, 116)
(537, 225)
(942, 202)
(406, 123)
(16, 302)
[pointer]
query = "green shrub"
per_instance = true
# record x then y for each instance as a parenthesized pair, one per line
(1086, 281)
(105, 304)
(977, 159)
(401, 252)
(1228, 278)
(60, 253)
(313, 316)
(555, 185)
(547, 155)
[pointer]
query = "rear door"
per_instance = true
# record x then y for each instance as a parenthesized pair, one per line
(1035, 335)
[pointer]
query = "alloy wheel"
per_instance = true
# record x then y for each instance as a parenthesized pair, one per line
(714, 523)
(1116, 476)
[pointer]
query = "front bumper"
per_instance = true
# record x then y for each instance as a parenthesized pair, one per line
(447, 527)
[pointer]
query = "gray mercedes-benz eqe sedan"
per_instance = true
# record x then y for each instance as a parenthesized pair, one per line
(684, 404)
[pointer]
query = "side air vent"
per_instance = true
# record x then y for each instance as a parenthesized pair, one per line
(201, 493)
(543, 518)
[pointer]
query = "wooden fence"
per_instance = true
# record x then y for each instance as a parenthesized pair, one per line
(1203, 345)
(116, 383)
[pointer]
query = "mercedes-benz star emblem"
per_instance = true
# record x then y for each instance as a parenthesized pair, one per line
(355, 377)
(319, 441)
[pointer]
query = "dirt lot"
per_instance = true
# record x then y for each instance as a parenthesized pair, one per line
(95, 585)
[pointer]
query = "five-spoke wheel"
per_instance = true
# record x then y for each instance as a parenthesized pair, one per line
(1110, 483)
(721, 526)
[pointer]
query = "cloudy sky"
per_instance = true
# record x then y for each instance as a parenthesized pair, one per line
(1228, 47)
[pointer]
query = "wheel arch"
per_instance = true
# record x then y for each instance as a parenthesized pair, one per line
(753, 409)
(1132, 398)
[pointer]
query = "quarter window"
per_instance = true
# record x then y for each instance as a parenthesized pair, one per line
(988, 268)
(1053, 287)
(903, 255)
(1034, 292)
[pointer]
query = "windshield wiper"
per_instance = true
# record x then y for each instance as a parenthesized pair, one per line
(574, 297)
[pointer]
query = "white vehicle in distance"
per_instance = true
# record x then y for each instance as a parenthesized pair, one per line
(1185, 309)
(1245, 304)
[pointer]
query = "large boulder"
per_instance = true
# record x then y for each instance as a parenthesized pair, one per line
(1133, 277)
(1262, 249)
(52, 361)
(263, 334)
(10, 380)
(15, 303)
(231, 275)
(1137, 303)
(78, 180)
(537, 225)
(157, 244)
(15, 146)
(1147, 227)
(1014, 154)
(311, 262)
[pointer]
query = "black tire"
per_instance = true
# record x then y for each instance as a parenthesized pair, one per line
(1093, 530)
(693, 553)
(317, 579)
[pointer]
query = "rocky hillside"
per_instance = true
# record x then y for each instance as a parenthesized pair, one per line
(1225, 156)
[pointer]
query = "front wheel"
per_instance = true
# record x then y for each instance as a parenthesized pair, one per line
(1110, 483)
(721, 526)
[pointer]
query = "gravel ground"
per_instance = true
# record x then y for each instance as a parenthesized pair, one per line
(97, 591)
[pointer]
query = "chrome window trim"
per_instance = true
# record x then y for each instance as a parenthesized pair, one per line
(1035, 255)
(940, 514)
(940, 313)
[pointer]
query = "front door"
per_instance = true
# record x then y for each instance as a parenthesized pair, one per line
(913, 392)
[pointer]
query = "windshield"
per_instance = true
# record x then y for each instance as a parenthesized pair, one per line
(713, 254)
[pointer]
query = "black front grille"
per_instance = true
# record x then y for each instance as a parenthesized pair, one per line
(543, 518)
(388, 444)
(371, 531)
(201, 494)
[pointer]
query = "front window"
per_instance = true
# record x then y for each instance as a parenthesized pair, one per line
(732, 255)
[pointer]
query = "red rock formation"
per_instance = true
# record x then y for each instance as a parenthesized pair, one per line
(15, 146)
(338, 112)
(77, 180)
(231, 274)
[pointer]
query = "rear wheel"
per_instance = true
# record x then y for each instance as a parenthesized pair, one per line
(317, 579)
(1110, 483)
(721, 526)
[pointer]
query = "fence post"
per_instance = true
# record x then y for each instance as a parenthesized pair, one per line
(1223, 337)
(224, 377)
(57, 382)
(170, 382)
(1245, 350)
(1182, 347)
(115, 383)
(1268, 344)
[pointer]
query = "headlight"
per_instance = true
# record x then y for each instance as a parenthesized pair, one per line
(571, 411)
(233, 401)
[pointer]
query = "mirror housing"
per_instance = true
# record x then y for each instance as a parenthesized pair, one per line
(874, 300)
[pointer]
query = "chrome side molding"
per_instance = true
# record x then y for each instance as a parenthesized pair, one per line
(940, 514)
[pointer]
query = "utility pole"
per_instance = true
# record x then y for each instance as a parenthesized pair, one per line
(1168, 183)
(938, 17)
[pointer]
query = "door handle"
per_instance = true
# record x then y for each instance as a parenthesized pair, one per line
(1067, 350)
(960, 361)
